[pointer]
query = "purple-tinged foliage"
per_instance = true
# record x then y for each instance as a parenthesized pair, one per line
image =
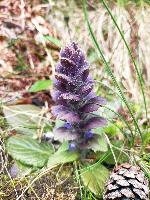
(75, 100)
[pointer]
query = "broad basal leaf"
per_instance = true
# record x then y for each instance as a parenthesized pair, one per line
(28, 150)
(62, 156)
(23, 118)
(94, 178)
(40, 85)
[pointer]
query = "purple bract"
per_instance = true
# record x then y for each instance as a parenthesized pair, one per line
(75, 100)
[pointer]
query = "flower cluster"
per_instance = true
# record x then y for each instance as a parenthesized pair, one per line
(75, 100)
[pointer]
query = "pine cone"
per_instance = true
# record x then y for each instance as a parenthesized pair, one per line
(127, 182)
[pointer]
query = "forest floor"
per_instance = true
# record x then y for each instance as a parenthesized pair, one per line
(31, 35)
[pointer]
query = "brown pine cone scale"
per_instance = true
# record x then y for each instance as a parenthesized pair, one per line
(127, 182)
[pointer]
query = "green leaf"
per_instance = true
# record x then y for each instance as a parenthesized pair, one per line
(58, 123)
(94, 178)
(55, 41)
(28, 151)
(146, 137)
(92, 57)
(99, 130)
(99, 143)
(40, 85)
(111, 130)
(62, 156)
(113, 105)
(23, 118)
(119, 154)
(63, 147)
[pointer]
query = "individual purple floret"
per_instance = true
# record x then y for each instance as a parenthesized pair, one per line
(75, 101)
(88, 134)
(68, 125)
(72, 146)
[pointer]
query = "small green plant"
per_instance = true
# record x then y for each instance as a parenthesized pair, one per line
(83, 135)
(76, 106)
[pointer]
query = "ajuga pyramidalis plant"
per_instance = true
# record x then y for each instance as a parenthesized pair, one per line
(76, 101)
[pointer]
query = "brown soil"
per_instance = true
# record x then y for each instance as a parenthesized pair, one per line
(48, 187)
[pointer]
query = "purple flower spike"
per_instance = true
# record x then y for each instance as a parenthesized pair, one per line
(75, 100)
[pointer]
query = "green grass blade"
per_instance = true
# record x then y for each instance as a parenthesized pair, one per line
(131, 56)
(108, 69)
